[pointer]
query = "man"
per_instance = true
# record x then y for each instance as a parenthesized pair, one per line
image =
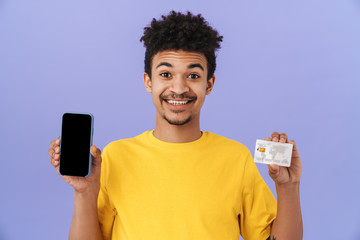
(178, 182)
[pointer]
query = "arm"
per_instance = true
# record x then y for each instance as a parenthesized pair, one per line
(288, 223)
(85, 224)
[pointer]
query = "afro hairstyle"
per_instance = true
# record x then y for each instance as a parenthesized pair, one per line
(178, 31)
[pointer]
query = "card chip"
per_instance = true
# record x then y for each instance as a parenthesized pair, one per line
(261, 149)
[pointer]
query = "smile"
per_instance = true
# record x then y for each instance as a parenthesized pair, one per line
(173, 102)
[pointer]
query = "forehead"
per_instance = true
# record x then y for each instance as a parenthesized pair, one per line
(179, 57)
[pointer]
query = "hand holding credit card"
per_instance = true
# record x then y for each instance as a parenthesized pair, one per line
(269, 152)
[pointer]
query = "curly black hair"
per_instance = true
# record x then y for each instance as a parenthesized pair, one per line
(181, 31)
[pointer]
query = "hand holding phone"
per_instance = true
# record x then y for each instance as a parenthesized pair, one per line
(80, 184)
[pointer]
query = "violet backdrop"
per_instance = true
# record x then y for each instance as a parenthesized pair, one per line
(287, 66)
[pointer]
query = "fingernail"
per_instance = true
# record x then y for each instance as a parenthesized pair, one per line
(272, 166)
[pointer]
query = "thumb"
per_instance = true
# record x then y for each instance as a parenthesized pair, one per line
(96, 154)
(273, 170)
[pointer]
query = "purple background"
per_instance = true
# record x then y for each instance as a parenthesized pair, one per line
(284, 66)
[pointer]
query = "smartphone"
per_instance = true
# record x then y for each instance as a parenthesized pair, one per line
(75, 142)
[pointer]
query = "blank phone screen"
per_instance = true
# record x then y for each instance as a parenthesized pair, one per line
(76, 138)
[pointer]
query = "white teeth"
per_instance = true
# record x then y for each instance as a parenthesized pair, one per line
(177, 102)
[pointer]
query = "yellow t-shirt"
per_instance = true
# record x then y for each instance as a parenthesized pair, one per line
(208, 189)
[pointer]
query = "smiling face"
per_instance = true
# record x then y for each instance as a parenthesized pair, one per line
(178, 85)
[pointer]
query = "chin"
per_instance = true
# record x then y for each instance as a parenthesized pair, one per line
(177, 122)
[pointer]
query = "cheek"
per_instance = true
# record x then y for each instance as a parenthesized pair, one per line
(201, 95)
(156, 92)
(200, 92)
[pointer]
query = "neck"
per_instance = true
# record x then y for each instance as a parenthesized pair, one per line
(177, 134)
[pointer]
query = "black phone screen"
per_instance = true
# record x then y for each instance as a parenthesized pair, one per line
(76, 140)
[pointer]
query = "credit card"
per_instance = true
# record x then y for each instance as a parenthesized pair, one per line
(269, 152)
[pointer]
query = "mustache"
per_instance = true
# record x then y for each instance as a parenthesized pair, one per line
(174, 96)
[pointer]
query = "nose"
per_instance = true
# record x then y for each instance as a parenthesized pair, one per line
(179, 85)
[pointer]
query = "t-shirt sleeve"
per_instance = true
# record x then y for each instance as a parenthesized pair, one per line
(106, 213)
(258, 205)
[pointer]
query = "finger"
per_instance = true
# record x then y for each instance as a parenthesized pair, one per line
(96, 154)
(275, 136)
(295, 150)
(267, 139)
(293, 143)
(54, 162)
(52, 143)
(51, 152)
(56, 156)
(55, 142)
(283, 138)
(274, 170)
(57, 149)
(295, 153)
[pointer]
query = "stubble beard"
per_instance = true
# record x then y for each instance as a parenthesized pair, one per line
(178, 122)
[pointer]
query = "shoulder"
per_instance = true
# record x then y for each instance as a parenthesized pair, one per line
(124, 143)
(224, 141)
(228, 144)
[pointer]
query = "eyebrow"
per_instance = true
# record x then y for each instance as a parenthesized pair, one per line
(194, 65)
(164, 64)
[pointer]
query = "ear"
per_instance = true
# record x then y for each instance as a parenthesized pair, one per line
(210, 84)
(147, 82)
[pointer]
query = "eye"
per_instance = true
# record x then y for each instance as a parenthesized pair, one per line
(194, 76)
(165, 74)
